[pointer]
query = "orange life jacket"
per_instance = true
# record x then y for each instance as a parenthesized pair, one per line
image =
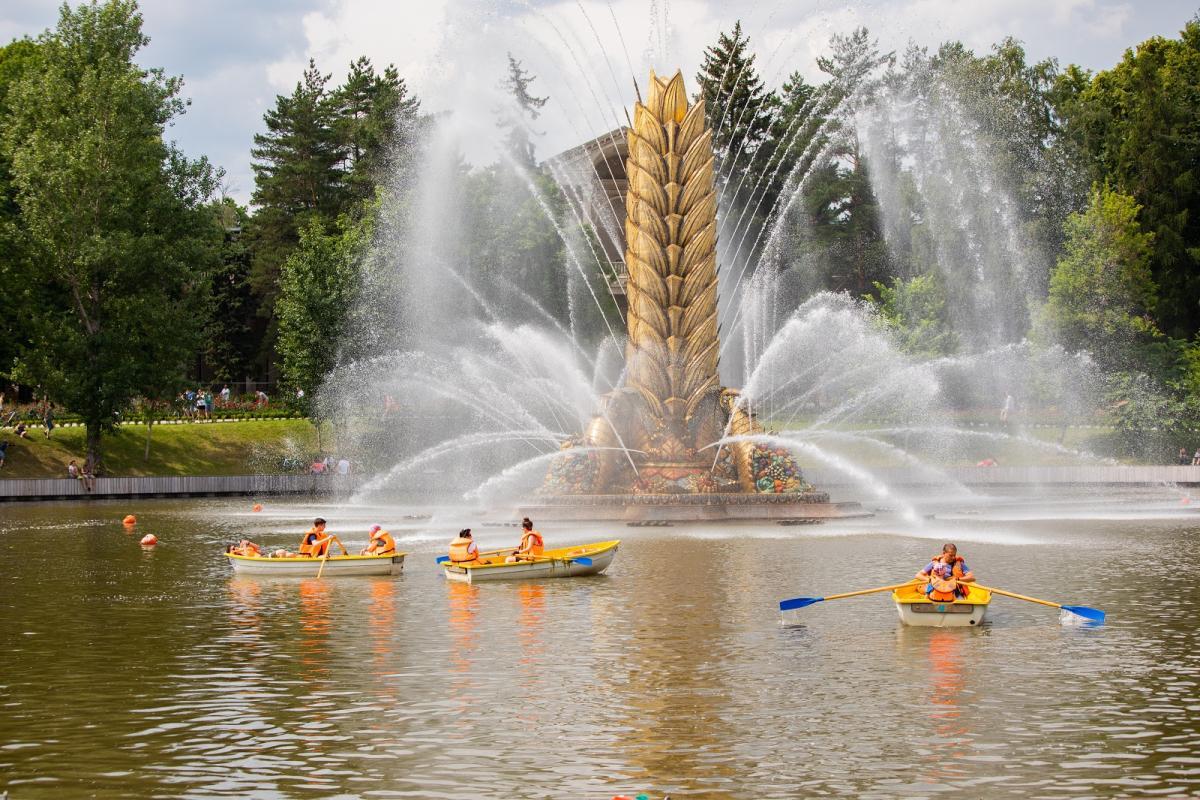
(318, 547)
(247, 549)
(531, 544)
(944, 589)
(463, 551)
(381, 544)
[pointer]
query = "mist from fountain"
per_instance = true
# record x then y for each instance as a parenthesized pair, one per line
(490, 381)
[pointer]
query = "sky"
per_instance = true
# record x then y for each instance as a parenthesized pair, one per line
(236, 55)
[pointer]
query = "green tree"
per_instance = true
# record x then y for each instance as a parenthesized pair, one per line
(234, 330)
(1102, 293)
(738, 108)
(375, 117)
(525, 108)
(916, 310)
(16, 60)
(318, 290)
(298, 175)
(1139, 124)
(113, 222)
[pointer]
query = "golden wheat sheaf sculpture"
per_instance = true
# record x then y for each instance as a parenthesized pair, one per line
(671, 239)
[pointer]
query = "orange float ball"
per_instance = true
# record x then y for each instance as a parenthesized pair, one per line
(257, 507)
(149, 540)
(130, 519)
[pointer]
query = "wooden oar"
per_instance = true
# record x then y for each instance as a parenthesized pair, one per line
(1092, 614)
(324, 558)
(801, 602)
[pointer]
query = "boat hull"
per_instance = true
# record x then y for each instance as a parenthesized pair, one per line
(918, 611)
(335, 566)
(554, 564)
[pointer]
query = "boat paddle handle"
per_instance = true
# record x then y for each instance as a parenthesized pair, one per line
(871, 591)
(1019, 596)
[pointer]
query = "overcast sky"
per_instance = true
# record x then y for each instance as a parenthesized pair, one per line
(237, 55)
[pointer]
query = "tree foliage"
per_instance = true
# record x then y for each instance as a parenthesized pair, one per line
(915, 309)
(1102, 293)
(1139, 125)
(112, 218)
(318, 294)
(517, 119)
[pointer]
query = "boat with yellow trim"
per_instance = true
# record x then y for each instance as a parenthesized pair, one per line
(962, 612)
(306, 567)
(560, 562)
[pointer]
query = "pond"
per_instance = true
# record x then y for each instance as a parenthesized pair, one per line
(132, 672)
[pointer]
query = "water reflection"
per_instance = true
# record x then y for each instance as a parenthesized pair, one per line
(945, 669)
(463, 604)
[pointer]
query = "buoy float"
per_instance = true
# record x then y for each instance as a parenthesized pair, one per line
(1183, 501)
(130, 519)
(257, 507)
(149, 540)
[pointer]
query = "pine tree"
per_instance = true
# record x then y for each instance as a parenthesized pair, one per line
(376, 117)
(737, 106)
(298, 174)
(525, 108)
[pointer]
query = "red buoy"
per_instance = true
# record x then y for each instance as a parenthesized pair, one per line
(149, 540)
(257, 507)
(130, 519)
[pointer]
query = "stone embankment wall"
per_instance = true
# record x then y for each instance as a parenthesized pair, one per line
(192, 486)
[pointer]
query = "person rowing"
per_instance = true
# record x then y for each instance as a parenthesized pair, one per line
(946, 575)
(316, 542)
(532, 545)
(381, 543)
(464, 550)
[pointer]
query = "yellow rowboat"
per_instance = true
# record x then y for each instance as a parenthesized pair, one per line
(917, 609)
(557, 563)
(309, 567)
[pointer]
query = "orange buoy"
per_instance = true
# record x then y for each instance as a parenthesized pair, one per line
(1185, 500)
(130, 519)
(257, 507)
(149, 540)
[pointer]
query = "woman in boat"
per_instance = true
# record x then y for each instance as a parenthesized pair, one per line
(946, 575)
(532, 545)
(381, 543)
(464, 550)
(315, 543)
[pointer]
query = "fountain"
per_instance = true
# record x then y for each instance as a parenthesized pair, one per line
(513, 396)
(670, 441)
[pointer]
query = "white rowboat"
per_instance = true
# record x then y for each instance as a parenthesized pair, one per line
(557, 563)
(309, 567)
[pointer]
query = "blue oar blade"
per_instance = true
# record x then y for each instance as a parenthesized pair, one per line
(798, 602)
(1092, 614)
(443, 559)
(584, 560)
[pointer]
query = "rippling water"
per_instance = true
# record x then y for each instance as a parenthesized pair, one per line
(132, 673)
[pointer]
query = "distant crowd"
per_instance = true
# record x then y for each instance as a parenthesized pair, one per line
(326, 465)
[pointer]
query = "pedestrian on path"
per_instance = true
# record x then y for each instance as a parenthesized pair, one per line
(48, 419)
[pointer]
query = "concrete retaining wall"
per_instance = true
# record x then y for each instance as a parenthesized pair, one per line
(68, 488)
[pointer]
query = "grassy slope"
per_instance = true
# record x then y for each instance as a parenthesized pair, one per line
(225, 448)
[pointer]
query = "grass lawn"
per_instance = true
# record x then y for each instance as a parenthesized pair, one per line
(223, 448)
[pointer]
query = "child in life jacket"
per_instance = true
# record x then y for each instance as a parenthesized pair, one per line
(946, 575)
